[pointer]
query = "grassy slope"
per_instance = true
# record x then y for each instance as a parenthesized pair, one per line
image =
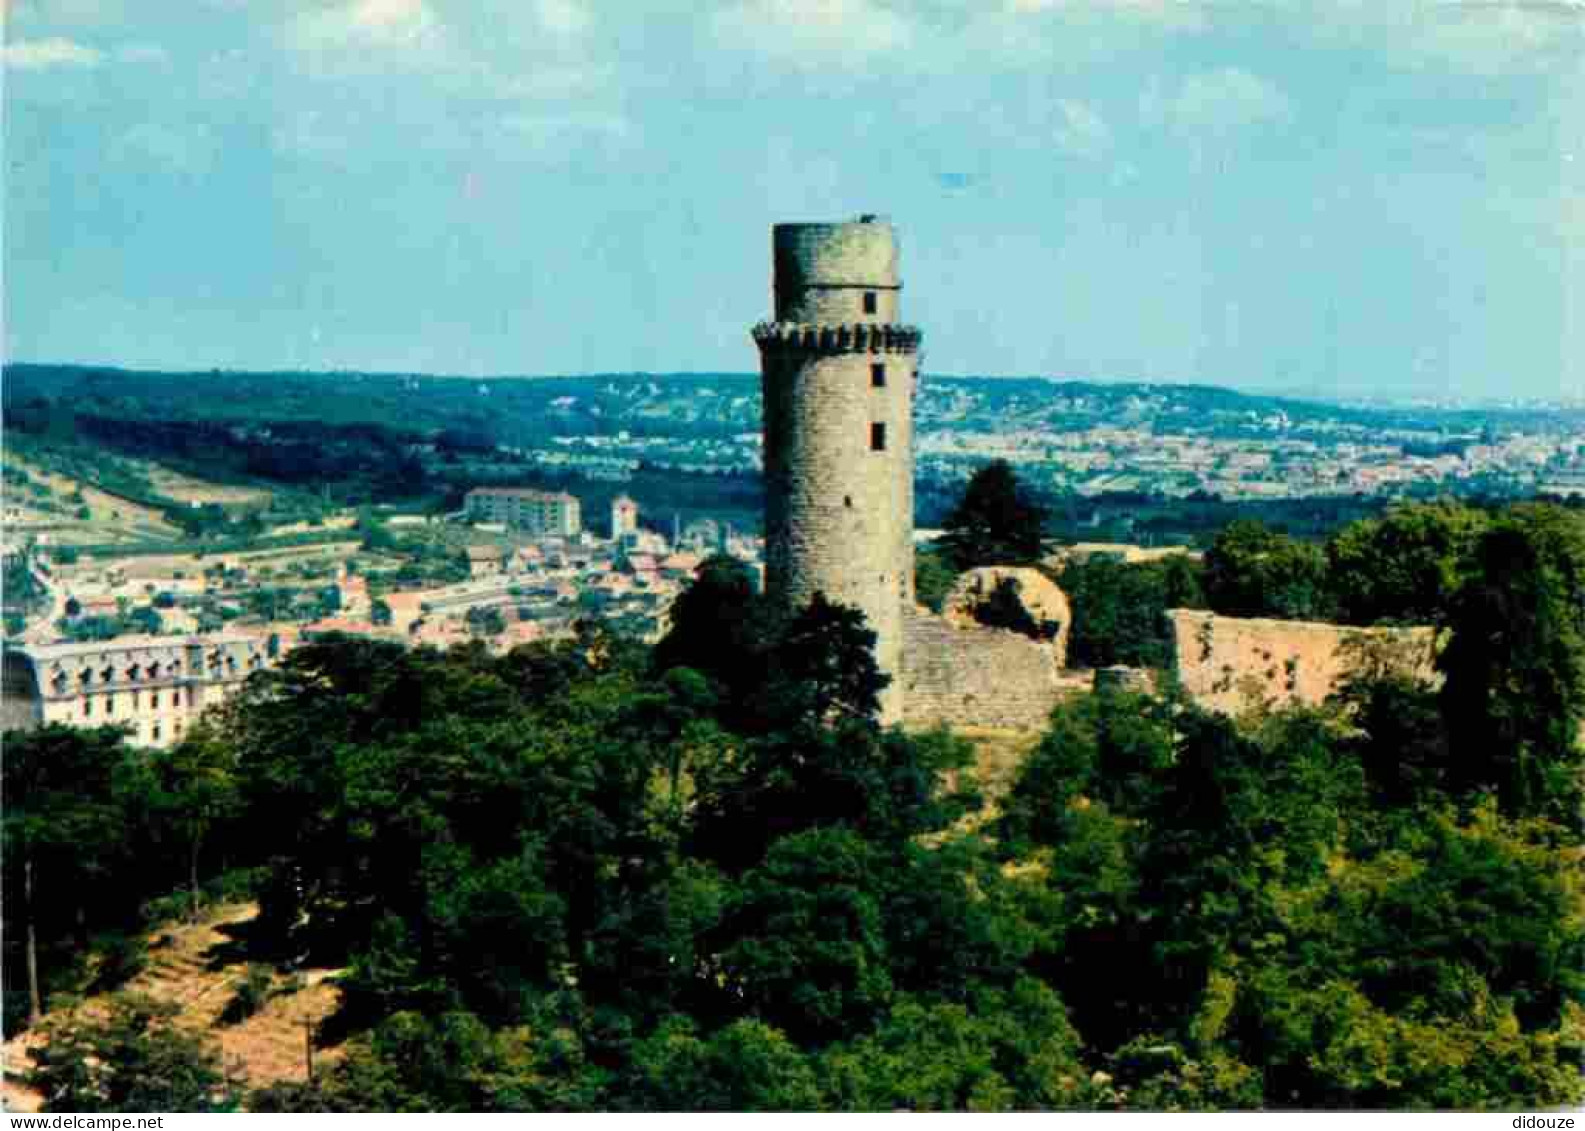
(198, 966)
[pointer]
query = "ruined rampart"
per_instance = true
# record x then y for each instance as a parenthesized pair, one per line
(967, 676)
(1047, 605)
(1231, 663)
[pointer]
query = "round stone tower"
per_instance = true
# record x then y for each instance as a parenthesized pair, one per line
(838, 372)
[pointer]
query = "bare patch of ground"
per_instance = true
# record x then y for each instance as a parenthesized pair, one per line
(186, 489)
(199, 968)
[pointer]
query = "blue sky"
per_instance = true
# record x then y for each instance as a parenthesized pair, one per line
(1328, 196)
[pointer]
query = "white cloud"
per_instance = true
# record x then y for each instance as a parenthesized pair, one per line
(39, 54)
(564, 17)
(1495, 38)
(1485, 37)
(1223, 101)
(812, 31)
(350, 24)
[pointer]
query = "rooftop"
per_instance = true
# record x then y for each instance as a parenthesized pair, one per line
(68, 649)
(524, 493)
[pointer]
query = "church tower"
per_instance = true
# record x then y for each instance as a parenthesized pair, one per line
(838, 370)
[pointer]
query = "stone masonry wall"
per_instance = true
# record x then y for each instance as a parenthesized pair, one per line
(976, 677)
(1039, 595)
(822, 272)
(1230, 663)
(839, 514)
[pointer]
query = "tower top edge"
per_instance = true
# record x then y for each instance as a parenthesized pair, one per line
(863, 219)
(854, 253)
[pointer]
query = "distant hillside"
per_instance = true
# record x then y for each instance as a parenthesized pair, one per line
(684, 444)
(527, 411)
(517, 411)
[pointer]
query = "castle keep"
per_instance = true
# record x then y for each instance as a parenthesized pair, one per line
(838, 370)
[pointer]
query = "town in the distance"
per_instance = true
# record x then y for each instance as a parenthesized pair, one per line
(209, 522)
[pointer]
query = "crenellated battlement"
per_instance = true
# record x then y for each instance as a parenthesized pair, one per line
(856, 337)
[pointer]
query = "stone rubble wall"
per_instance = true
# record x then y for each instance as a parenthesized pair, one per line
(969, 676)
(1036, 592)
(1231, 663)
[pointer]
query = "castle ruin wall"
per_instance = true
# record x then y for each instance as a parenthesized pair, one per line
(977, 677)
(1228, 664)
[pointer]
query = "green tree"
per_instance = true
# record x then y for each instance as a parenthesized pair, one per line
(1404, 567)
(719, 626)
(995, 523)
(1514, 694)
(1004, 608)
(821, 664)
(1119, 608)
(804, 945)
(888, 786)
(1442, 970)
(486, 620)
(1254, 571)
(746, 1065)
(1001, 1050)
(144, 620)
(1398, 735)
(195, 791)
(65, 832)
(933, 578)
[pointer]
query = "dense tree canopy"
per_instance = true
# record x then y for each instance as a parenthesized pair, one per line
(1254, 571)
(593, 875)
(1403, 567)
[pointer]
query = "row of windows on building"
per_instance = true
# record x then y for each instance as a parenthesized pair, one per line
(173, 698)
(155, 730)
(218, 667)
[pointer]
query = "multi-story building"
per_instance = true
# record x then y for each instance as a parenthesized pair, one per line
(154, 685)
(541, 513)
(624, 517)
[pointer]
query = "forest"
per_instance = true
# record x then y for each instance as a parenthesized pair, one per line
(596, 875)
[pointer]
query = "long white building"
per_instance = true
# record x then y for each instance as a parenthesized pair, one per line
(156, 685)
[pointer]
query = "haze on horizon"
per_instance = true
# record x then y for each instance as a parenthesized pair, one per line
(1312, 196)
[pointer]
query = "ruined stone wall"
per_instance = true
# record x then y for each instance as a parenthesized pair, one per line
(977, 677)
(838, 513)
(1231, 663)
(1042, 599)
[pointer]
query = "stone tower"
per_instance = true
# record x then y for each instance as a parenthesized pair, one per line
(838, 372)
